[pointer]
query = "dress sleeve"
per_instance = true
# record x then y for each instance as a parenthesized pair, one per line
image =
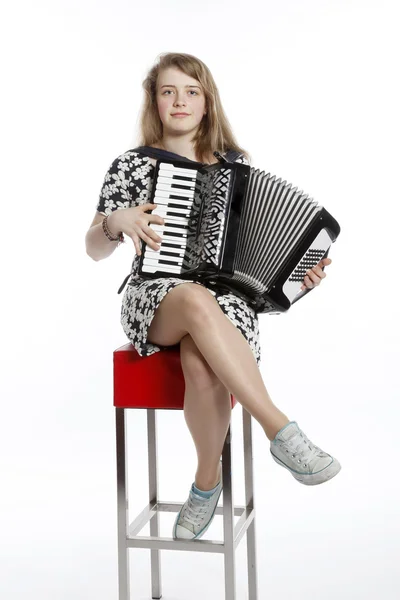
(115, 193)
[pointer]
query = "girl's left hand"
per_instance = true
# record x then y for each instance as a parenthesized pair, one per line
(314, 275)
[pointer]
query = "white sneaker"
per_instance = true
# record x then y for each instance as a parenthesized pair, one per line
(306, 462)
(196, 515)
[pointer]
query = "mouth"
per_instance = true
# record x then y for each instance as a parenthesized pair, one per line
(180, 115)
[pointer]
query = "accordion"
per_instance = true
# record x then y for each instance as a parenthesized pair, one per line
(237, 228)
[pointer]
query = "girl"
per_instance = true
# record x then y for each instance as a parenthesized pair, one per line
(218, 333)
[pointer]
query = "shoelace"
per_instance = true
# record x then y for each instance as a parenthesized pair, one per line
(195, 509)
(299, 449)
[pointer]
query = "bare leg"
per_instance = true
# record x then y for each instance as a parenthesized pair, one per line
(207, 411)
(190, 308)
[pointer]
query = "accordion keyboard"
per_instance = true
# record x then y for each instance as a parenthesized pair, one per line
(174, 193)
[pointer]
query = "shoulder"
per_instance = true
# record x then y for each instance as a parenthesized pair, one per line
(127, 166)
(130, 159)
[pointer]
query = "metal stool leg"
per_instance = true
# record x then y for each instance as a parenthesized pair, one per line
(122, 505)
(229, 547)
(249, 490)
(232, 533)
(156, 592)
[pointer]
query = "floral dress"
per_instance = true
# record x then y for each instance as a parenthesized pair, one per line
(127, 183)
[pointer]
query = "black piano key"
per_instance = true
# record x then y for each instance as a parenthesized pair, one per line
(184, 199)
(171, 213)
(164, 253)
(175, 234)
(172, 245)
(175, 186)
(173, 263)
(182, 178)
(175, 225)
(173, 239)
(175, 197)
(173, 205)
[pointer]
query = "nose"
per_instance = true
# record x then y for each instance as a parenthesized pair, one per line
(180, 99)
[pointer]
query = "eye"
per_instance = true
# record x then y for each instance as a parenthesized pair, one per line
(193, 91)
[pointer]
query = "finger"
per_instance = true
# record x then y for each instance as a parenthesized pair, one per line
(318, 271)
(314, 278)
(147, 208)
(146, 233)
(324, 262)
(143, 228)
(156, 219)
(152, 234)
(149, 241)
(308, 283)
(136, 242)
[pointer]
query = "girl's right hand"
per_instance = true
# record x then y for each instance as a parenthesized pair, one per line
(135, 223)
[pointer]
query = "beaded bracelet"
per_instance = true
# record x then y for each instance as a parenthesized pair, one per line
(107, 232)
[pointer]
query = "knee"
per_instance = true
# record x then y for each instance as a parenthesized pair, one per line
(196, 370)
(196, 302)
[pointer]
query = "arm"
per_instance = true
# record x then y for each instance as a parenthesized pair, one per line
(114, 196)
(98, 246)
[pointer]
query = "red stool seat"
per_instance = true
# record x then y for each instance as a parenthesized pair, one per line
(154, 381)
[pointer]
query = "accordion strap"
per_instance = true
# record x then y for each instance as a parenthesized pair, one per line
(157, 153)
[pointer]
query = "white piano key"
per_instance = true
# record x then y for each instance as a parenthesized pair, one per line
(167, 216)
(175, 240)
(174, 262)
(174, 220)
(172, 183)
(175, 174)
(176, 195)
(176, 178)
(163, 228)
(165, 209)
(154, 253)
(157, 261)
(166, 268)
(167, 200)
(166, 188)
(178, 173)
(171, 219)
(171, 167)
(170, 245)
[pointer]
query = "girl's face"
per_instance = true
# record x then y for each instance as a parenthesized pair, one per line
(178, 93)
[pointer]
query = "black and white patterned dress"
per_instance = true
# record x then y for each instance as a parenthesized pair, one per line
(128, 183)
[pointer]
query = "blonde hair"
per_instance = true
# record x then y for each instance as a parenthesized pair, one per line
(214, 132)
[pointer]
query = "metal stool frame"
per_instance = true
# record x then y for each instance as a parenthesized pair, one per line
(128, 533)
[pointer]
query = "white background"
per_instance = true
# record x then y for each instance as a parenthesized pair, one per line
(310, 88)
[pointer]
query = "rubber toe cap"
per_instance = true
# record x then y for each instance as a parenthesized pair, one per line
(183, 533)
